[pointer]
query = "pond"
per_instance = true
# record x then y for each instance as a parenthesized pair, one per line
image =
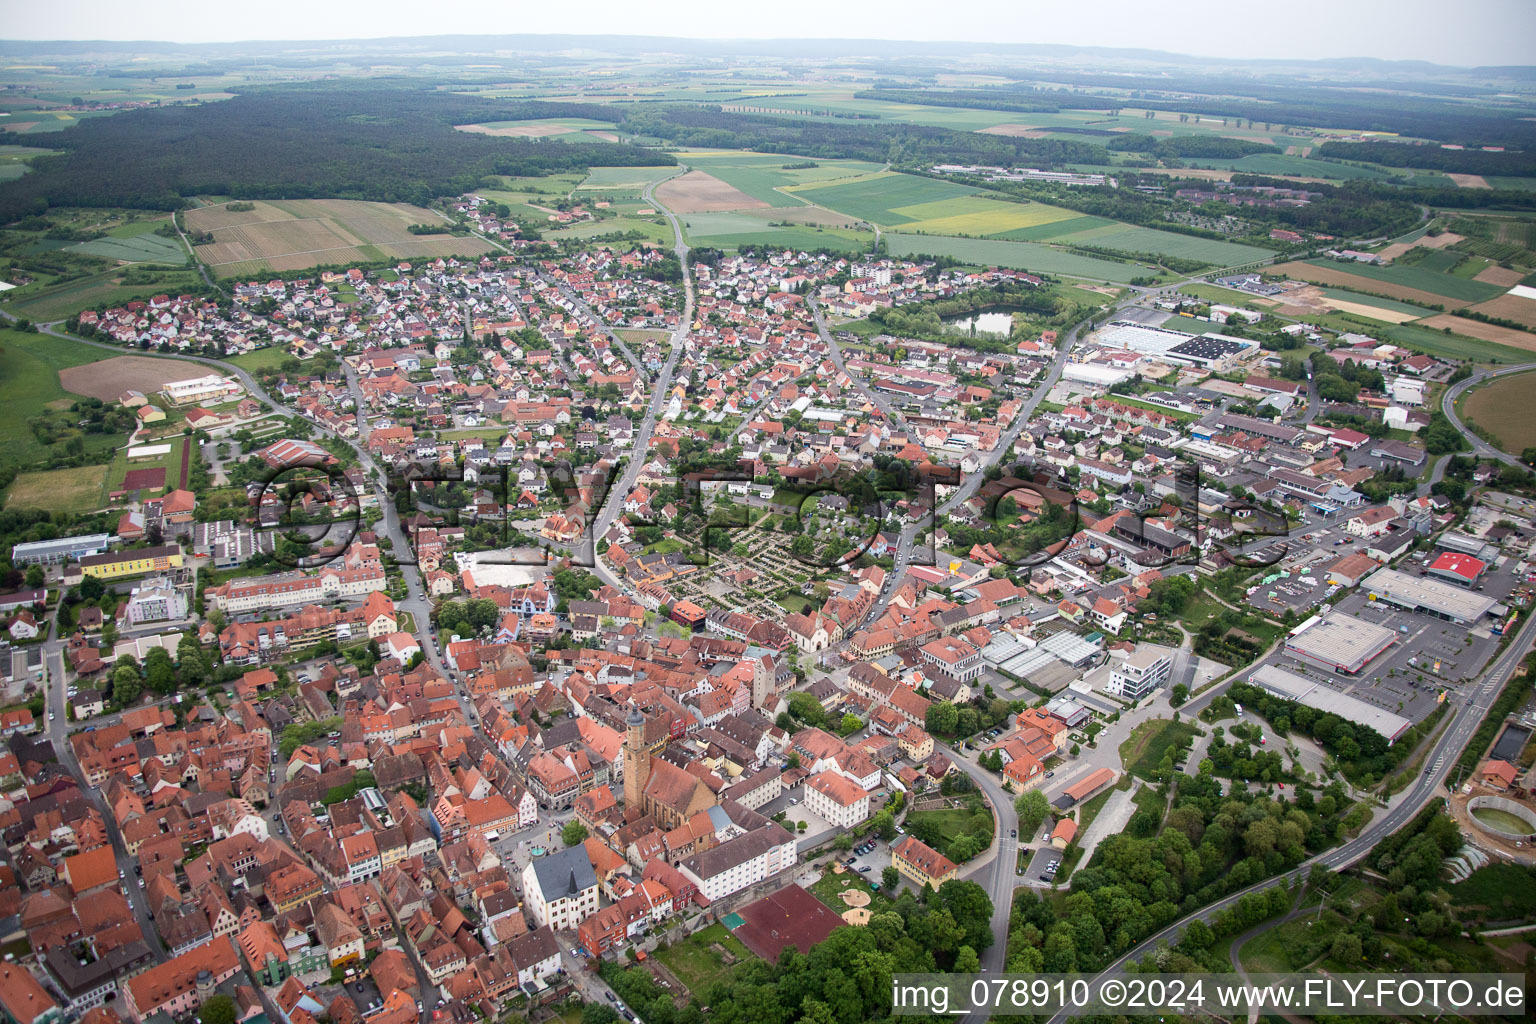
(995, 321)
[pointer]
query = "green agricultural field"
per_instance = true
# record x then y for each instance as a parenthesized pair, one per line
(654, 233)
(761, 175)
(1126, 238)
(1420, 278)
(269, 358)
(58, 301)
(141, 246)
(624, 177)
(1452, 346)
(1040, 259)
(876, 197)
(29, 379)
(1057, 229)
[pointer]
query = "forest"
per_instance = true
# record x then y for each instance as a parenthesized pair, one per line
(877, 141)
(386, 142)
(1209, 146)
(1380, 106)
(1433, 158)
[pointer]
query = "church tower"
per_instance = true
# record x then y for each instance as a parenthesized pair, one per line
(637, 760)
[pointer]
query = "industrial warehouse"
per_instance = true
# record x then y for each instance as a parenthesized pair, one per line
(1420, 594)
(1338, 643)
(1290, 686)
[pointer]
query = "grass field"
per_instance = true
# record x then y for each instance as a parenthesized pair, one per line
(1055, 229)
(697, 965)
(29, 379)
(295, 234)
(876, 198)
(1149, 742)
(1390, 305)
(1502, 407)
(58, 490)
(1030, 256)
(269, 358)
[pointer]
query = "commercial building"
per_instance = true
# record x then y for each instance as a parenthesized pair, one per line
(1339, 643)
(1427, 595)
(1145, 670)
(1290, 686)
(921, 864)
(63, 549)
(1458, 569)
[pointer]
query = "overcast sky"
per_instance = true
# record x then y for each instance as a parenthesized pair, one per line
(1465, 32)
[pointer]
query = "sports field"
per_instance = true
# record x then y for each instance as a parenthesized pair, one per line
(1040, 259)
(295, 234)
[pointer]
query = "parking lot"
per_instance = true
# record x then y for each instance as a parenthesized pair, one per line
(1432, 655)
(1035, 873)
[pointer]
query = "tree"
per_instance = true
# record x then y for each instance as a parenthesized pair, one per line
(35, 576)
(1346, 948)
(126, 685)
(850, 723)
(598, 1013)
(218, 1009)
(884, 825)
(966, 961)
(573, 832)
(1032, 808)
(91, 589)
(941, 718)
(159, 672)
(1179, 695)
(890, 878)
